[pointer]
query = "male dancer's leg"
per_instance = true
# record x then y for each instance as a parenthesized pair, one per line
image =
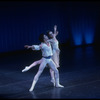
(41, 68)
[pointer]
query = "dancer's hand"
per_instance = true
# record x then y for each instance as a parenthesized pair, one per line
(55, 27)
(26, 46)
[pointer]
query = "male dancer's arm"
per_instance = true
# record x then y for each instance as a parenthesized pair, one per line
(33, 47)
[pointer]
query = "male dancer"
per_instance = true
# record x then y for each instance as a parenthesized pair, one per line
(46, 49)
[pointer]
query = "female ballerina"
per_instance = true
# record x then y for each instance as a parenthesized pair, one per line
(56, 51)
(46, 49)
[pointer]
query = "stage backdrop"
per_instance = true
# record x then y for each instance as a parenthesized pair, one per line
(22, 22)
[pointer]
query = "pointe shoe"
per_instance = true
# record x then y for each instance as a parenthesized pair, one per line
(25, 69)
(59, 86)
(53, 81)
(30, 89)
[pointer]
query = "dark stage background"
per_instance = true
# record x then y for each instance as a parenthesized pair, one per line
(78, 23)
(21, 22)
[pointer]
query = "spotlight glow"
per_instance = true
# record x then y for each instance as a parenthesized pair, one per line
(83, 28)
(89, 36)
(76, 33)
(89, 31)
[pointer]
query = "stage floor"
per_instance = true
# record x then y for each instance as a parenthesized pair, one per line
(79, 73)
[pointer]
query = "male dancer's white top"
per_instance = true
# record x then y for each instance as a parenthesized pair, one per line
(46, 50)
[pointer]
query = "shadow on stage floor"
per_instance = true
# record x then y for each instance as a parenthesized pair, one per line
(79, 73)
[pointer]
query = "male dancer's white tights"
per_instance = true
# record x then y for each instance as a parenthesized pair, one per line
(41, 68)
